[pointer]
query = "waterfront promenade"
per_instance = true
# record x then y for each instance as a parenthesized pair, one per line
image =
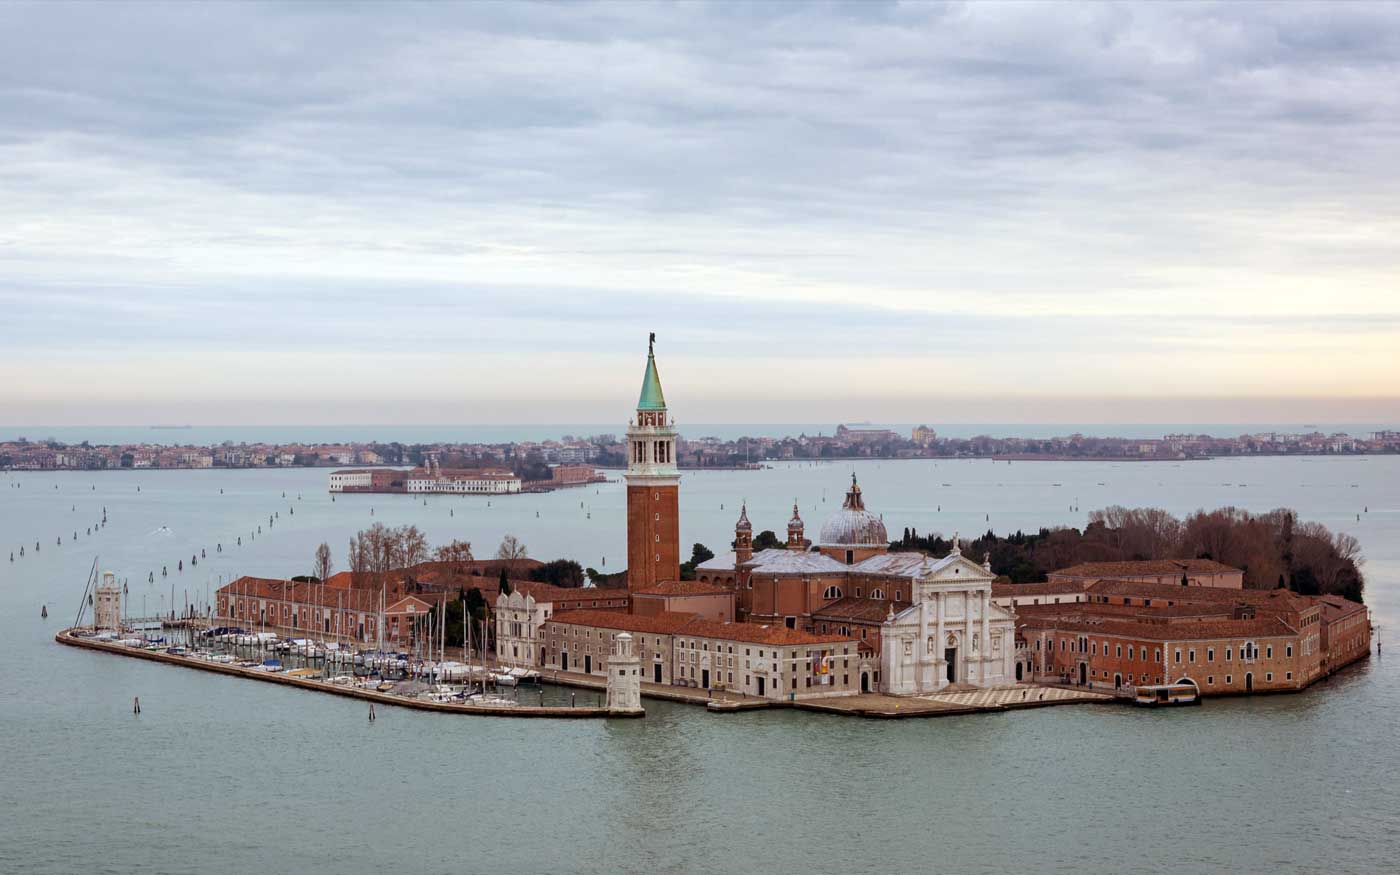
(67, 637)
(871, 705)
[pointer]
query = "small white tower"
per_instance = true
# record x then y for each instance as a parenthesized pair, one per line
(107, 603)
(624, 677)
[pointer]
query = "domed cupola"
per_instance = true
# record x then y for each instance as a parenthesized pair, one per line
(853, 526)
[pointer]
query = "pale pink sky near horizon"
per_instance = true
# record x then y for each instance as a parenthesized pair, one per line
(1019, 212)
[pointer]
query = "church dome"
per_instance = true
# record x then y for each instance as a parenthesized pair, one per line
(853, 525)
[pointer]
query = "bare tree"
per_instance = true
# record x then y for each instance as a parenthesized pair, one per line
(322, 565)
(511, 549)
(457, 551)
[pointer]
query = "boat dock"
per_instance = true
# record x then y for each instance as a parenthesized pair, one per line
(67, 637)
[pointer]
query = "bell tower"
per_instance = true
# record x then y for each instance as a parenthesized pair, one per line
(653, 487)
(796, 539)
(743, 536)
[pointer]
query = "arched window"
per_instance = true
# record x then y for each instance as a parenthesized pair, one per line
(832, 592)
(877, 593)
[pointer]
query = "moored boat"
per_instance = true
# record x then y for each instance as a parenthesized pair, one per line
(1167, 695)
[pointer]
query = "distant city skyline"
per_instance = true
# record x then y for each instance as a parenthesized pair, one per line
(1010, 213)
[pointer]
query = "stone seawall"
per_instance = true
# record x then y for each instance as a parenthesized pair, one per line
(66, 637)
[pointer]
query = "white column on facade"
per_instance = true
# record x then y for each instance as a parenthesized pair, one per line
(986, 633)
(921, 651)
(939, 663)
(967, 637)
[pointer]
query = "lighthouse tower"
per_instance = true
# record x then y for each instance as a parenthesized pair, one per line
(653, 488)
(624, 677)
(107, 603)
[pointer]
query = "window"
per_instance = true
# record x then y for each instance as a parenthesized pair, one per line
(1211, 680)
(1268, 676)
(1178, 656)
(877, 593)
(1269, 651)
(1227, 653)
(1191, 654)
(1229, 678)
(832, 592)
(1210, 654)
(1288, 651)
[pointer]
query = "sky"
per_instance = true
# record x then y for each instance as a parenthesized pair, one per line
(895, 212)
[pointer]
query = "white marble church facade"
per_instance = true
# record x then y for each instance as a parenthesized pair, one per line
(952, 633)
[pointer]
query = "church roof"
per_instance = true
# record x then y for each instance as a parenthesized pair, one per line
(778, 560)
(651, 397)
(721, 562)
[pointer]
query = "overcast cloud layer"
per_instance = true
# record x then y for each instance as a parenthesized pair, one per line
(314, 213)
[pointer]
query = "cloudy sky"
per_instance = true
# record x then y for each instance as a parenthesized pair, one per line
(897, 212)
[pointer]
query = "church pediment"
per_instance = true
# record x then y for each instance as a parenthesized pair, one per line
(955, 569)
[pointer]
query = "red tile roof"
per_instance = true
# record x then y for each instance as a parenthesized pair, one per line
(683, 588)
(1146, 567)
(664, 623)
(858, 609)
(752, 633)
(677, 623)
(1088, 622)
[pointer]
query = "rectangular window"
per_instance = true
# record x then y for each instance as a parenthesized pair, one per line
(1289, 651)
(1210, 654)
(1191, 654)
(1178, 657)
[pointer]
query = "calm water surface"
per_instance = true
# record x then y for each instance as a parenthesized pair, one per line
(224, 775)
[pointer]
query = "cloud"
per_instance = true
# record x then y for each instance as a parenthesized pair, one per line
(1098, 200)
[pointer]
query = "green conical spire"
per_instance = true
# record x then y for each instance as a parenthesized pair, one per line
(652, 398)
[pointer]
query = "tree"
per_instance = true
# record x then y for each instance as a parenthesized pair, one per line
(458, 552)
(698, 553)
(511, 549)
(322, 565)
(505, 582)
(767, 540)
(559, 572)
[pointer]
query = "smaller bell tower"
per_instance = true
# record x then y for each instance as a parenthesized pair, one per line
(743, 536)
(796, 540)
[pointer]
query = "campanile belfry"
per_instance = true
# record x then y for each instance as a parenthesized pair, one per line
(653, 487)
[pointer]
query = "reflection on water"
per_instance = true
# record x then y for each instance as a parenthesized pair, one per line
(220, 774)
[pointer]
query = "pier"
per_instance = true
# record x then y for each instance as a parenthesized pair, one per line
(67, 637)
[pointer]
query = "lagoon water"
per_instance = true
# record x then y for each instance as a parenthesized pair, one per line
(224, 775)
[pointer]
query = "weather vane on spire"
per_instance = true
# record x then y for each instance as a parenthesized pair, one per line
(651, 344)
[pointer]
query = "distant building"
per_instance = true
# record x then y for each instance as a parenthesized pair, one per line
(342, 481)
(924, 436)
(1194, 572)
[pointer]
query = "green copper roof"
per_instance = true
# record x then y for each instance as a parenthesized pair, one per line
(651, 399)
